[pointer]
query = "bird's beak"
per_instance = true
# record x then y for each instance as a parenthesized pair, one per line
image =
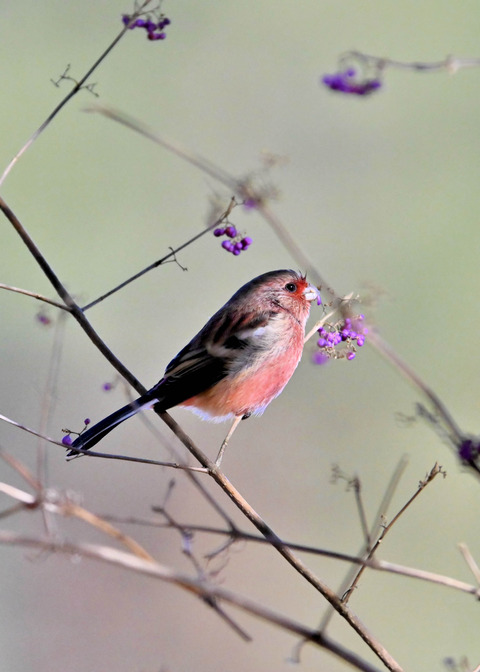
(311, 293)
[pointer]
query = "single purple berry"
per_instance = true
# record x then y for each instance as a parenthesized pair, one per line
(43, 319)
(360, 341)
(351, 355)
(67, 440)
(320, 358)
(106, 387)
(227, 245)
(87, 421)
(236, 252)
(218, 232)
(166, 22)
(246, 242)
(125, 19)
(231, 231)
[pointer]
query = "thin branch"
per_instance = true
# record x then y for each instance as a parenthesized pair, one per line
(470, 560)
(34, 295)
(70, 509)
(21, 469)
(15, 493)
(174, 148)
(167, 257)
(30, 431)
(386, 528)
(451, 64)
(374, 531)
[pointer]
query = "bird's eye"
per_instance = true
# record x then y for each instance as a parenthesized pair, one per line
(291, 287)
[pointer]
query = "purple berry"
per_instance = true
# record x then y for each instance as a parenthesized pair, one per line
(231, 231)
(43, 319)
(320, 358)
(67, 440)
(351, 355)
(87, 421)
(106, 387)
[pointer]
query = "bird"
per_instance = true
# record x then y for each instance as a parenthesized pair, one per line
(237, 363)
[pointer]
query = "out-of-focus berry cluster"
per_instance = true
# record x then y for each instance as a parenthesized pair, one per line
(340, 340)
(155, 29)
(234, 242)
(349, 82)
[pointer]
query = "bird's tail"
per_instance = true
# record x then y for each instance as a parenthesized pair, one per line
(96, 433)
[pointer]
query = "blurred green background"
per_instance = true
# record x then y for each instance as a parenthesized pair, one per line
(381, 192)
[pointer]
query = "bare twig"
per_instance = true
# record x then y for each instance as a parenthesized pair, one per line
(35, 296)
(436, 469)
(470, 560)
(451, 64)
(373, 533)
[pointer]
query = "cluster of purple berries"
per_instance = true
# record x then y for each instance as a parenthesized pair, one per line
(349, 332)
(154, 28)
(346, 82)
(67, 439)
(234, 243)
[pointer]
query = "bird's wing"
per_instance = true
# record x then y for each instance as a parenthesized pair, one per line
(211, 356)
